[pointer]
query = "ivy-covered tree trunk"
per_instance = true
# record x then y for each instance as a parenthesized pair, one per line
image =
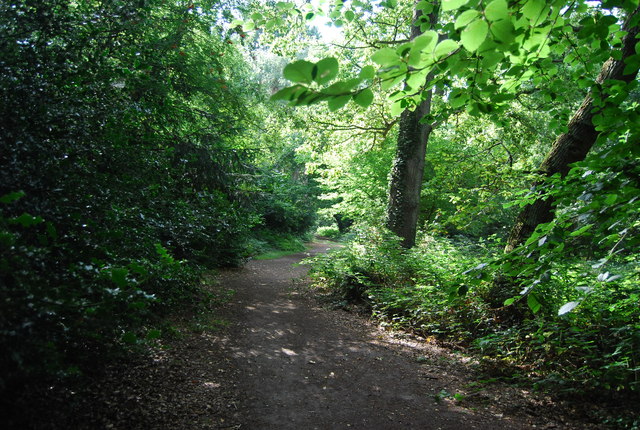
(574, 145)
(408, 166)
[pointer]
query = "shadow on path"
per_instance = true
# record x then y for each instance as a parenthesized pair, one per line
(303, 367)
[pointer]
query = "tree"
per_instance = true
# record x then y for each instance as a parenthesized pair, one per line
(573, 145)
(408, 168)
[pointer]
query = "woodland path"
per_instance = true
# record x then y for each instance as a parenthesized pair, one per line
(273, 357)
(301, 366)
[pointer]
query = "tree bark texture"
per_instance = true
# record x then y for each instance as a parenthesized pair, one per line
(407, 172)
(573, 145)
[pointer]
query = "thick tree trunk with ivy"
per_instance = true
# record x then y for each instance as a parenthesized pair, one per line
(408, 167)
(574, 145)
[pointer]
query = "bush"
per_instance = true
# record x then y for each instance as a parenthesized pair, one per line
(440, 288)
(331, 231)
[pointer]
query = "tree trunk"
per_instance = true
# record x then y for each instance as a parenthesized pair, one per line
(408, 167)
(573, 145)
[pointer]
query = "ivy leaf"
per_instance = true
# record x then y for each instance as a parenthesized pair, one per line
(474, 34)
(385, 57)
(336, 103)
(364, 98)
(453, 4)
(497, 10)
(327, 69)
(299, 71)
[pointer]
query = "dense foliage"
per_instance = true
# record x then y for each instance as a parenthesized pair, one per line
(140, 147)
(128, 165)
(507, 78)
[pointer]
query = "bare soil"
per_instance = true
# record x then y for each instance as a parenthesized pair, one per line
(274, 357)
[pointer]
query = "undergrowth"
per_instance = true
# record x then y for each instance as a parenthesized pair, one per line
(433, 290)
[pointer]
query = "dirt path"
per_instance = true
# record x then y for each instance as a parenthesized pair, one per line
(273, 358)
(300, 366)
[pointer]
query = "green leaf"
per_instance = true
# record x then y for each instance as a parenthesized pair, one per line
(327, 69)
(458, 98)
(299, 71)
(341, 87)
(367, 73)
(509, 302)
(256, 16)
(425, 6)
(503, 31)
(445, 47)
(364, 98)
(12, 197)
(418, 79)
(491, 58)
(309, 16)
(453, 4)
(385, 57)
(289, 93)
(611, 199)
(581, 230)
(391, 82)
(474, 34)
(425, 42)
(285, 5)
(153, 334)
(129, 338)
(396, 108)
(119, 276)
(534, 303)
(497, 10)
(465, 18)
(26, 220)
(336, 103)
(349, 15)
(533, 11)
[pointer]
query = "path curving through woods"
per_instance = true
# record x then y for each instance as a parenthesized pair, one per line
(273, 357)
(301, 366)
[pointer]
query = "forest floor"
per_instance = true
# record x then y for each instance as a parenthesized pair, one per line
(275, 357)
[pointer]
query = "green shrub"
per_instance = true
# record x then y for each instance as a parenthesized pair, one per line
(330, 231)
